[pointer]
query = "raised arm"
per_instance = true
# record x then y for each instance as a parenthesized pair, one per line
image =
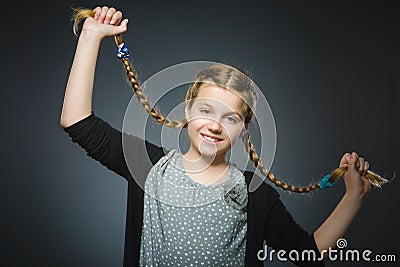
(79, 90)
(357, 188)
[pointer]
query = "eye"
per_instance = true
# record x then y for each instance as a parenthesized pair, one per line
(231, 119)
(205, 111)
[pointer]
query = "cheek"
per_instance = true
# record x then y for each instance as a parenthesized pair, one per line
(194, 127)
(233, 132)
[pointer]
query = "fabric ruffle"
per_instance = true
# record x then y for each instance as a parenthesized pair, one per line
(237, 197)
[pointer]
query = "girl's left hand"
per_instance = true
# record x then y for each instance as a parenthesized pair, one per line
(356, 185)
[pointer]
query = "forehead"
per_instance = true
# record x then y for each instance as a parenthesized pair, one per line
(220, 97)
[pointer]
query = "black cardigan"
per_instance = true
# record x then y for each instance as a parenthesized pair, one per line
(267, 217)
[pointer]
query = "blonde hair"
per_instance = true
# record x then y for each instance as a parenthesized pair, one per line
(229, 78)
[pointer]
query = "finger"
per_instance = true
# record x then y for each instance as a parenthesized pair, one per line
(103, 14)
(345, 160)
(111, 11)
(116, 18)
(366, 168)
(353, 161)
(97, 11)
(361, 163)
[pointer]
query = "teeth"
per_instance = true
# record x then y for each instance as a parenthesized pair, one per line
(209, 138)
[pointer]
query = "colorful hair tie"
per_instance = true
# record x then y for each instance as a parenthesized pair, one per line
(325, 183)
(122, 51)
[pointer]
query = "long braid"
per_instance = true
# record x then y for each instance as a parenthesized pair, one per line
(374, 178)
(81, 14)
(142, 98)
(259, 164)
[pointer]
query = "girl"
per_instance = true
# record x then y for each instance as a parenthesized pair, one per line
(197, 209)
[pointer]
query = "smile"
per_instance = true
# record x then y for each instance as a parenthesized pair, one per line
(211, 139)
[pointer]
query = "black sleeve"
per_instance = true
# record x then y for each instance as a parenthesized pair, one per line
(103, 143)
(283, 233)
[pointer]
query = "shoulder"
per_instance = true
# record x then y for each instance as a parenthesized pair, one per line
(259, 189)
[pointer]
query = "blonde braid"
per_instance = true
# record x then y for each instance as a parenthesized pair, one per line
(142, 98)
(259, 164)
(81, 14)
(374, 178)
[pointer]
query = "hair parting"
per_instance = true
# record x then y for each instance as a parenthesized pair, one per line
(228, 76)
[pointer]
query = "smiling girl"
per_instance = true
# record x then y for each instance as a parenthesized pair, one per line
(196, 208)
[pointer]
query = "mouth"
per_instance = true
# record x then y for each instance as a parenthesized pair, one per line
(211, 139)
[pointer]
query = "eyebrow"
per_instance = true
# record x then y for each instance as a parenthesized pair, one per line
(228, 113)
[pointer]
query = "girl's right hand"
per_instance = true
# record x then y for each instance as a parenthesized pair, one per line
(106, 22)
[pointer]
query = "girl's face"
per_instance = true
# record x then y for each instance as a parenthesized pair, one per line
(215, 121)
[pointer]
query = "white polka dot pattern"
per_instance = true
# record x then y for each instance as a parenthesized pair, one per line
(189, 224)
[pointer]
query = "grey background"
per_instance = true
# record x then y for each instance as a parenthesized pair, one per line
(329, 70)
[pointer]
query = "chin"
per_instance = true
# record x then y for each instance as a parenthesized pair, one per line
(212, 152)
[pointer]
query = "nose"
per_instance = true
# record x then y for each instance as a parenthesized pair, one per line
(214, 126)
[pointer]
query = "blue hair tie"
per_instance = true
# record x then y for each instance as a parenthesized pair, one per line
(325, 183)
(122, 51)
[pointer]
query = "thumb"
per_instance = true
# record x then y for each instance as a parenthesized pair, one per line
(123, 27)
(352, 163)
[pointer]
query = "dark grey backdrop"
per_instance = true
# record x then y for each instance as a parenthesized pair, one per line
(329, 70)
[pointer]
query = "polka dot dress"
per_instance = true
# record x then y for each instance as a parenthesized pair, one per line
(189, 224)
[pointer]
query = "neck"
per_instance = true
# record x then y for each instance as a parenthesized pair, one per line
(196, 162)
(205, 170)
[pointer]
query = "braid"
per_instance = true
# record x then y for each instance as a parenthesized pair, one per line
(142, 98)
(374, 178)
(259, 164)
(81, 14)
